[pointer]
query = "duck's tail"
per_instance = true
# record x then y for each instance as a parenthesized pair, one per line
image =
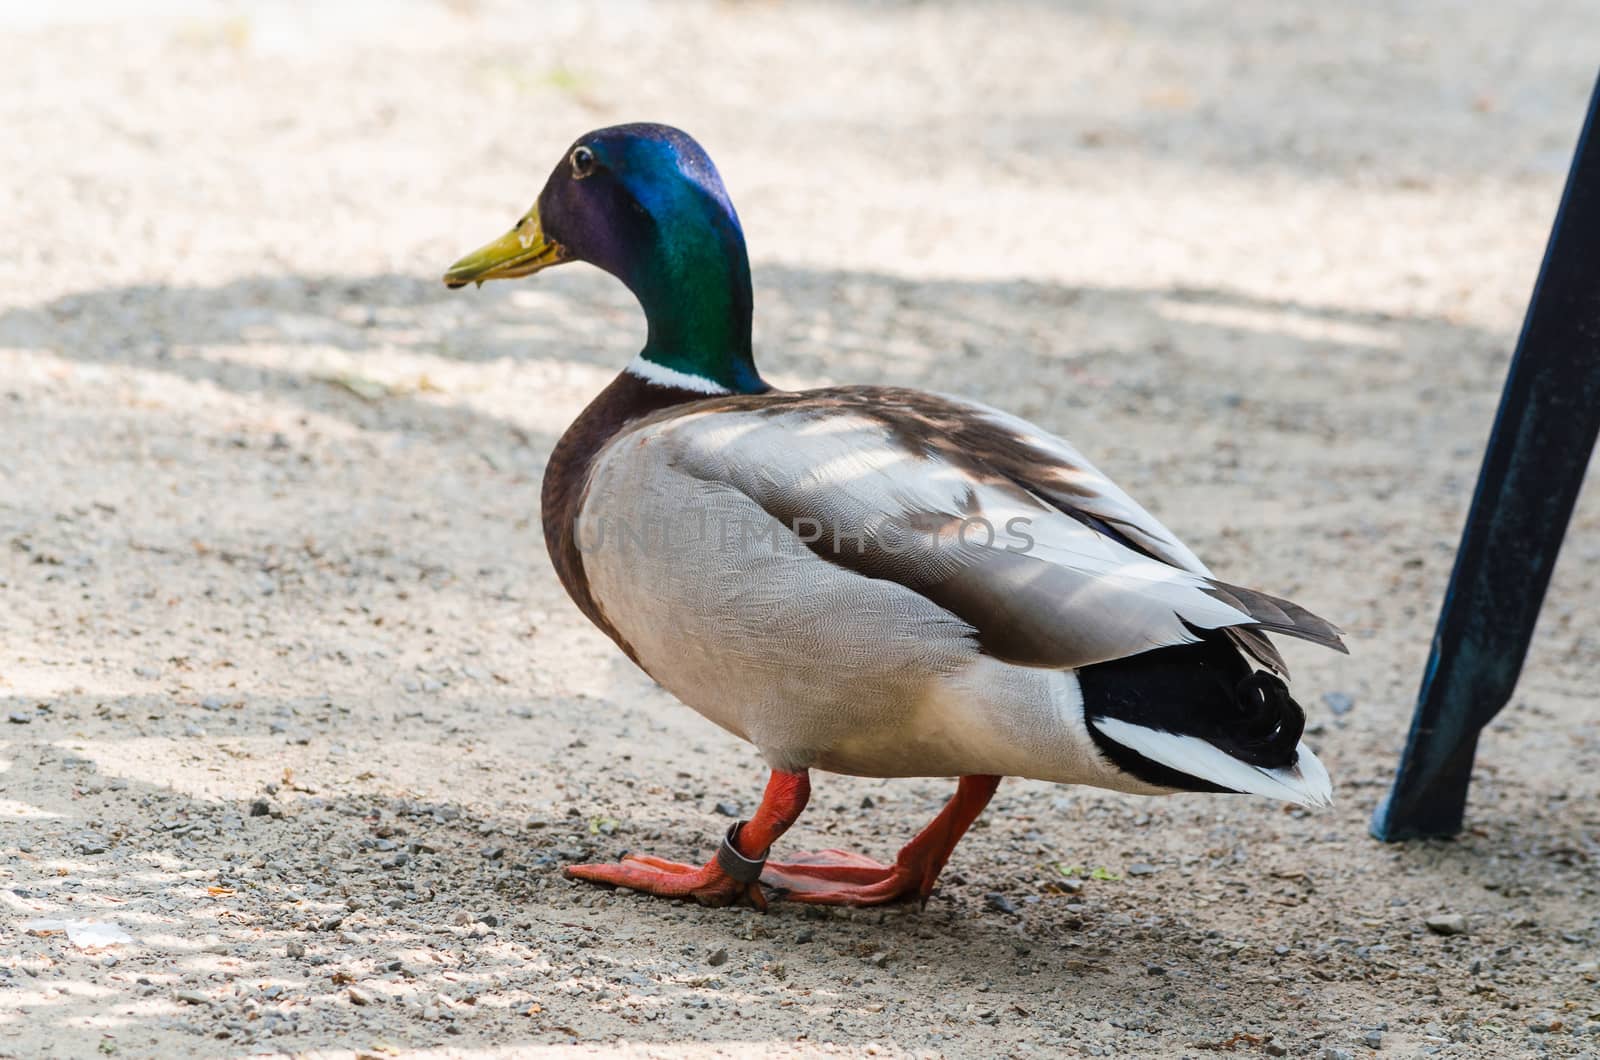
(1198, 717)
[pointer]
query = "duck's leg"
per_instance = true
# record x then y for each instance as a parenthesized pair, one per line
(734, 873)
(838, 877)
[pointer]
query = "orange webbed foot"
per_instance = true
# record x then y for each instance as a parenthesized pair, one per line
(707, 884)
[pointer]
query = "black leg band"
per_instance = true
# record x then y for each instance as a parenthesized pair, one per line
(735, 864)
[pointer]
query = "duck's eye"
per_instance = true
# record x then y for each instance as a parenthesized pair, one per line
(582, 162)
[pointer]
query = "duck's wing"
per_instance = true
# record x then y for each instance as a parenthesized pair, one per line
(1053, 468)
(947, 499)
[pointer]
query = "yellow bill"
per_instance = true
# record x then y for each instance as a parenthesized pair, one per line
(520, 252)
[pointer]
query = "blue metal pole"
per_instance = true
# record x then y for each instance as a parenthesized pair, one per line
(1538, 452)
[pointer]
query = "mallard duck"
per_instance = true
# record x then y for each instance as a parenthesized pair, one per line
(871, 580)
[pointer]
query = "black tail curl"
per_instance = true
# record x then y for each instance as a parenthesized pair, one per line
(1269, 722)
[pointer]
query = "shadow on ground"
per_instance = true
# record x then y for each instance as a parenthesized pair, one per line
(1082, 346)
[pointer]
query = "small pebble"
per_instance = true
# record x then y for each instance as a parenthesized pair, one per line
(728, 809)
(1447, 924)
(718, 957)
(89, 843)
(295, 949)
(1340, 703)
(1141, 868)
(1000, 903)
(359, 996)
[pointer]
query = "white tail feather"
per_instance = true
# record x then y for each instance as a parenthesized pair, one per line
(1306, 782)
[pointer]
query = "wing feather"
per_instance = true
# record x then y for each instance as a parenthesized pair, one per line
(997, 526)
(1065, 477)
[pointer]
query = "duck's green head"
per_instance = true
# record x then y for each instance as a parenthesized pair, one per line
(644, 203)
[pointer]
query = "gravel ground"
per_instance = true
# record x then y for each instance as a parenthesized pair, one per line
(299, 726)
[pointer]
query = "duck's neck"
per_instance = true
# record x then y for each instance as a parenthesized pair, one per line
(694, 285)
